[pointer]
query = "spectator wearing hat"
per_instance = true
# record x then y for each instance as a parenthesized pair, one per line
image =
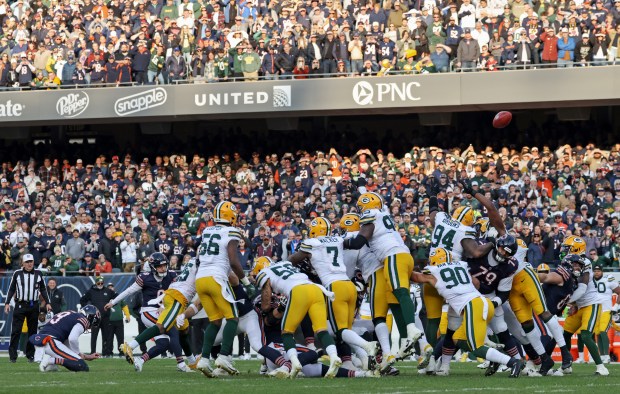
(268, 65)
(583, 50)
(176, 66)
(99, 295)
(468, 52)
(89, 266)
(549, 42)
(566, 49)
(454, 33)
(18, 252)
(599, 49)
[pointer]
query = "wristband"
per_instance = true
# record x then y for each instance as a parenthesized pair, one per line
(193, 307)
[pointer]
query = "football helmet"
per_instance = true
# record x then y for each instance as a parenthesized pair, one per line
(440, 256)
(370, 200)
(158, 260)
(482, 225)
(349, 222)
(505, 247)
(464, 214)
(260, 263)
(225, 212)
(542, 268)
(319, 227)
(574, 264)
(573, 245)
(92, 315)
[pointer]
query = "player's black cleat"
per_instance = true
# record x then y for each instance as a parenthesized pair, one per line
(516, 368)
(547, 364)
(492, 369)
(567, 359)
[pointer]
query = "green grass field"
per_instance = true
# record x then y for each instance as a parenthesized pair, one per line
(160, 376)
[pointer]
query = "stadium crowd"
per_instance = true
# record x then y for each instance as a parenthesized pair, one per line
(109, 215)
(50, 43)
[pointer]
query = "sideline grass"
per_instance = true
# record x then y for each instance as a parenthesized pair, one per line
(160, 376)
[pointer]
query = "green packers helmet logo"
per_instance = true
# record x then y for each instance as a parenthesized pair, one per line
(349, 222)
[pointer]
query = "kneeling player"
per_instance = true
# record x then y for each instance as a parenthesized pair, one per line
(59, 340)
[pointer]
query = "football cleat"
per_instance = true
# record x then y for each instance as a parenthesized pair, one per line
(196, 360)
(45, 361)
(182, 367)
(555, 372)
(430, 368)
(368, 374)
(128, 352)
(334, 364)
(567, 371)
(138, 363)
(407, 345)
(392, 372)
(601, 370)
(516, 368)
(503, 368)
(217, 372)
(547, 364)
(386, 363)
(263, 369)
(492, 369)
(427, 355)
(280, 373)
(295, 368)
(484, 365)
(226, 363)
(443, 370)
(204, 366)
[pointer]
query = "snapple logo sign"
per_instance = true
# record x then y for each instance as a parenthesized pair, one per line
(140, 101)
(73, 104)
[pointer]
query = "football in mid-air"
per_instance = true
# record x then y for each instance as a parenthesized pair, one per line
(502, 119)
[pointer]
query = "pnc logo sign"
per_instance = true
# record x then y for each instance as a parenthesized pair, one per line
(366, 93)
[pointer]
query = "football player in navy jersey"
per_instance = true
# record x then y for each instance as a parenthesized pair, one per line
(59, 340)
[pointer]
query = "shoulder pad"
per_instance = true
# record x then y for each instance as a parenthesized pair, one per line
(610, 278)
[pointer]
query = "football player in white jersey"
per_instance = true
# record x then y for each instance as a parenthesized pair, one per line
(456, 235)
(218, 255)
(176, 300)
(326, 255)
(454, 283)
(606, 285)
(371, 268)
(588, 303)
(304, 298)
(379, 232)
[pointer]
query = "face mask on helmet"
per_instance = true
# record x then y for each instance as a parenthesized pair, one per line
(505, 248)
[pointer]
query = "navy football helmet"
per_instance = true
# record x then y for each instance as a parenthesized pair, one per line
(92, 315)
(157, 260)
(505, 247)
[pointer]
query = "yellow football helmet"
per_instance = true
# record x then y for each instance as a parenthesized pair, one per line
(319, 227)
(543, 268)
(225, 212)
(260, 263)
(439, 256)
(573, 245)
(350, 222)
(482, 226)
(370, 200)
(464, 214)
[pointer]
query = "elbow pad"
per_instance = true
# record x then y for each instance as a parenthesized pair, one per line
(356, 243)
(433, 205)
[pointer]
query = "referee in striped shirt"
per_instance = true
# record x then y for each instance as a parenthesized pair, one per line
(27, 285)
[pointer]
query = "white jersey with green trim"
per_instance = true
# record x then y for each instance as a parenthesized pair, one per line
(364, 259)
(605, 287)
(454, 283)
(448, 234)
(385, 240)
(213, 251)
(591, 296)
(186, 280)
(521, 255)
(283, 276)
(327, 258)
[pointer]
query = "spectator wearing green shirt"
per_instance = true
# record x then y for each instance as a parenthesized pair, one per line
(192, 219)
(237, 55)
(603, 261)
(170, 10)
(57, 262)
(221, 65)
(70, 267)
(250, 64)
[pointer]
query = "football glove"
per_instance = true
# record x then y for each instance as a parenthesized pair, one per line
(466, 186)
